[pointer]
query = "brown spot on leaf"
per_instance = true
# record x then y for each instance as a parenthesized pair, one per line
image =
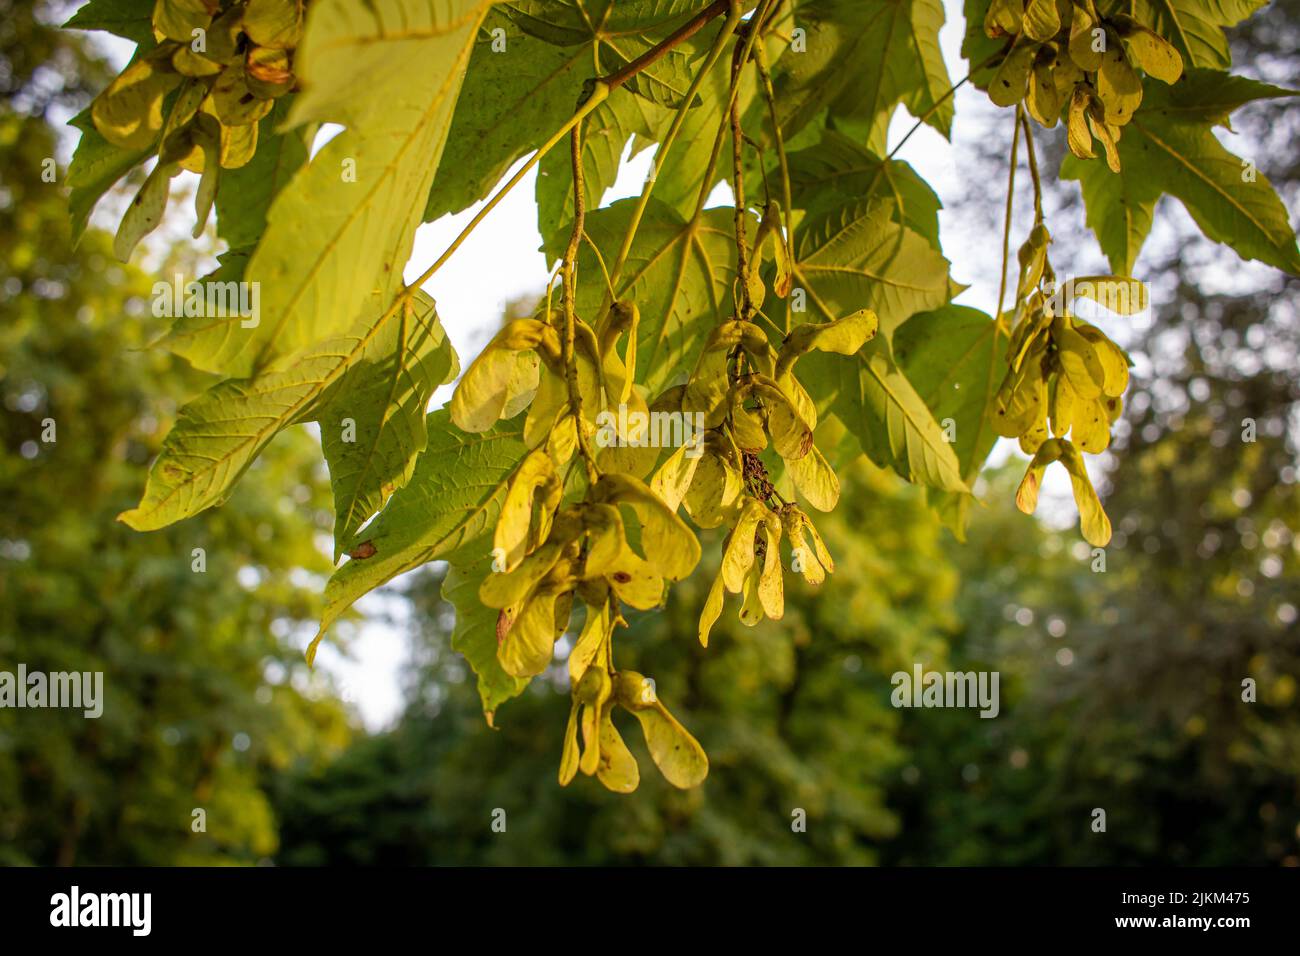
(805, 443)
(366, 549)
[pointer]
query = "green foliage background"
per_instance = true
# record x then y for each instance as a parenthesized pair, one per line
(190, 659)
(1119, 690)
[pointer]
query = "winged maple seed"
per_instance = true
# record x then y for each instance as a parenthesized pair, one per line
(758, 324)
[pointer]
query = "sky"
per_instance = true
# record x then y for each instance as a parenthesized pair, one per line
(501, 261)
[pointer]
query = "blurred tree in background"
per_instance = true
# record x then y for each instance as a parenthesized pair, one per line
(1130, 681)
(1120, 690)
(202, 694)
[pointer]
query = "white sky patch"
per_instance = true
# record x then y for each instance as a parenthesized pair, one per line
(369, 673)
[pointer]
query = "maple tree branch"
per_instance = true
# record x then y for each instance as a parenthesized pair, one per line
(660, 50)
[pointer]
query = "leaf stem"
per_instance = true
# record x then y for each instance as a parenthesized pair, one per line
(715, 51)
(1033, 168)
(600, 261)
(1006, 225)
(940, 101)
(599, 93)
(569, 274)
(778, 138)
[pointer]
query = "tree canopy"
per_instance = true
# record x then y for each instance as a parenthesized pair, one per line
(789, 336)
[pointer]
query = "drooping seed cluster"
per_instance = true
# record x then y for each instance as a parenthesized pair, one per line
(623, 540)
(1064, 54)
(1065, 378)
(195, 98)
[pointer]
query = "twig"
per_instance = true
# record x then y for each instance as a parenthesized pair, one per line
(1033, 168)
(728, 27)
(570, 278)
(765, 76)
(941, 100)
(1006, 226)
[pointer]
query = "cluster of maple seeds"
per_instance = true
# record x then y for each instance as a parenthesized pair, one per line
(547, 554)
(1063, 53)
(215, 72)
(1065, 377)
(749, 397)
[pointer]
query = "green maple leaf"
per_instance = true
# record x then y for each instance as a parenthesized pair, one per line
(862, 58)
(881, 408)
(451, 501)
(246, 193)
(571, 22)
(855, 255)
(955, 359)
(373, 424)
(95, 167)
(344, 224)
(129, 19)
(1170, 147)
(474, 635)
(1194, 27)
(380, 373)
(512, 100)
(527, 72)
(838, 170)
(976, 45)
